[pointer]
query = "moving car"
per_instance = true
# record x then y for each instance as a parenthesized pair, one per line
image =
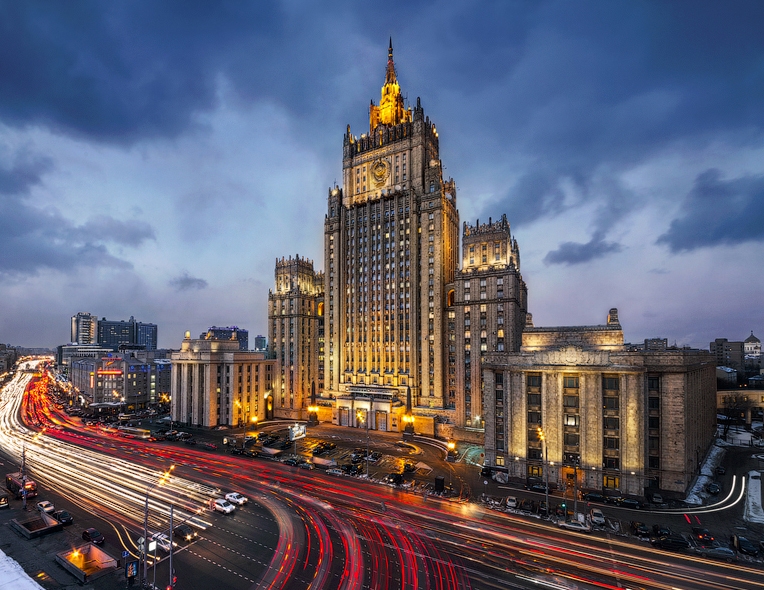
(63, 517)
(93, 536)
(236, 498)
(574, 525)
(46, 507)
(409, 467)
(223, 505)
(185, 532)
(4, 500)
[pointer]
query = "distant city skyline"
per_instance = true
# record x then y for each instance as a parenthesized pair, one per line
(158, 159)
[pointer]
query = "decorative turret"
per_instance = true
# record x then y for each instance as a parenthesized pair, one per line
(390, 110)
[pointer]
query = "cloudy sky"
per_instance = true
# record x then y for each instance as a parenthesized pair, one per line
(157, 157)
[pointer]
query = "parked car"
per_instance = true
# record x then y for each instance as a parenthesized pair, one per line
(63, 517)
(236, 498)
(673, 541)
(574, 525)
(717, 552)
(290, 461)
(597, 517)
(661, 530)
(656, 499)
(713, 488)
(395, 479)
(223, 505)
(190, 441)
(409, 467)
(334, 471)
(743, 545)
(511, 502)
(527, 506)
(721, 470)
(93, 536)
(594, 497)
(639, 529)
(185, 532)
(4, 500)
(538, 487)
(630, 503)
(162, 541)
(46, 507)
(306, 465)
(702, 535)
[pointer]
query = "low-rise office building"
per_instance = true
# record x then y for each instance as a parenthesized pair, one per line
(612, 419)
(215, 383)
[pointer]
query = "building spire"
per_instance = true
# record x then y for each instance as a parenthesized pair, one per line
(391, 110)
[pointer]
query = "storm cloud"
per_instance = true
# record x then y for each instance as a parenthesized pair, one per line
(718, 212)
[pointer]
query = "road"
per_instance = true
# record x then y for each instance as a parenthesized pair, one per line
(306, 529)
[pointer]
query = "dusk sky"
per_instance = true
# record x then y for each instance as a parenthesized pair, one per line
(156, 158)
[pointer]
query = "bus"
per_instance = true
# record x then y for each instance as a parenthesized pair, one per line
(130, 432)
(15, 482)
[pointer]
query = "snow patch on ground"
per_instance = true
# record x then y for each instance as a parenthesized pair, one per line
(13, 577)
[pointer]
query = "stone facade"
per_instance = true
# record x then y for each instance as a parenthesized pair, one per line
(391, 249)
(614, 419)
(295, 317)
(214, 383)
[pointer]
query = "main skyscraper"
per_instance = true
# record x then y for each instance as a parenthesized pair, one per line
(391, 249)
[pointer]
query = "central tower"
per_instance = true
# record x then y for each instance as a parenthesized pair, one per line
(391, 249)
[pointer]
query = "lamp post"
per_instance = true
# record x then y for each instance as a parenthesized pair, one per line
(312, 408)
(161, 481)
(365, 419)
(542, 437)
(254, 422)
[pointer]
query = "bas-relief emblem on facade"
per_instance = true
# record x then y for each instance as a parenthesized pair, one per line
(573, 355)
(380, 170)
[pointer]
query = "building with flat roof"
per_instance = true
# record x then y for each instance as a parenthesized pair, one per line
(214, 383)
(613, 420)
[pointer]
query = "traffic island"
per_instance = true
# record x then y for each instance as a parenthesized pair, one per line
(87, 562)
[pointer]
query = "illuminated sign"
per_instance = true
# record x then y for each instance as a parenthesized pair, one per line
(131, 569)
(109, 371)
(296, 432)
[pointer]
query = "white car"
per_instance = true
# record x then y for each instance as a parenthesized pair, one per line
(224, 506)
(163, 541)
(596, 516)
(574, 525)
(46, 507)
(236, 498)
(335, 471)
(511, 502)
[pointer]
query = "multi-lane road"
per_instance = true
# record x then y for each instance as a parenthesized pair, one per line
(307, 529)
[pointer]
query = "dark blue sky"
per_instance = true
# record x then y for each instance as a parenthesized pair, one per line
(157, 157)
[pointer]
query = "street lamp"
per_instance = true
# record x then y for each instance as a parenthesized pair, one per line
(542, 437)
(254, 422)
(408, 421)
(361, 417)
(163, 479)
